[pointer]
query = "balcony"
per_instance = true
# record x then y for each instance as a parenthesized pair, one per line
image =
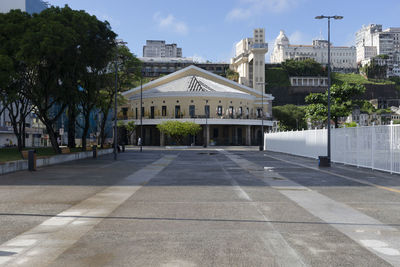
(259, 46)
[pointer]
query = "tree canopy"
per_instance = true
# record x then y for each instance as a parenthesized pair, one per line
(290, 117)
(343, 100)
(178, 129)
(307, 67)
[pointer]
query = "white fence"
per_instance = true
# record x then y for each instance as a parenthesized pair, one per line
(376, 147)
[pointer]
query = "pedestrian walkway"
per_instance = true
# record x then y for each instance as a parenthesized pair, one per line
(199, 207)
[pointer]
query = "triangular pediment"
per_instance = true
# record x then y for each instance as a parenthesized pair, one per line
(193, 79)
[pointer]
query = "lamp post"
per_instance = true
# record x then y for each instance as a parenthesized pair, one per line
(206, 111)
(262, 115)
(329, 82)
(115, 99)
(141, 112)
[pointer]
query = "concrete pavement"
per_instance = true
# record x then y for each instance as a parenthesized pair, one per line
(198, 207)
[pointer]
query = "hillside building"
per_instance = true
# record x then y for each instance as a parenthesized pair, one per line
(159, 49)
(372, 41)
(343, 58)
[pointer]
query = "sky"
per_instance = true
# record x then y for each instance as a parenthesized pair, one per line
(209, 29)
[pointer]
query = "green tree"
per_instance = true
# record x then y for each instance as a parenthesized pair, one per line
(13, 72)
(179, 130)
(343, 100)
(129, 72)
(232, 75)
(290, 117)
(307, 67)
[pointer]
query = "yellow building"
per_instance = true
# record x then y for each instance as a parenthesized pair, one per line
(229, 113)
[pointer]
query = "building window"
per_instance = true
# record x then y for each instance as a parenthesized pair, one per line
(152, 112)
(192, 111)
(142, 112)
(177, 112)
(240, 111)
(136, 113)
(231, 111)
(219, 111)
(164, 111)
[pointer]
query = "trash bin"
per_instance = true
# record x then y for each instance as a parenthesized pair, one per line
(94, 149)
(324, 161)
(32, 160)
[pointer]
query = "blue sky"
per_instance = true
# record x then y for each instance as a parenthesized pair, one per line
(208, 29)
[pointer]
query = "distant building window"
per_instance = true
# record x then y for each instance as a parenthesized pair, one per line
(164, 111)
(192, 111)
(207, 111)
(219, 111)
(136, 113)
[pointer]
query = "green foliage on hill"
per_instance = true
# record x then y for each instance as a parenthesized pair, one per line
(231, 75)
(276, 77)
(353, 78)
(307, 67)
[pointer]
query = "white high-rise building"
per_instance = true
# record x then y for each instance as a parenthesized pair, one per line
(249, 60)
(158, 48)
(343, 58)
(371, 41)
(29, 6)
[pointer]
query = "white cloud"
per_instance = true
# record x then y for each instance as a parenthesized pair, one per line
(170, 23)
(249, 8)
(297, 37)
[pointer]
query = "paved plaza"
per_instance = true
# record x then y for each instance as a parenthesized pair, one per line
(199, 207)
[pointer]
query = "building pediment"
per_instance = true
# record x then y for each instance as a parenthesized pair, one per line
(194, 79)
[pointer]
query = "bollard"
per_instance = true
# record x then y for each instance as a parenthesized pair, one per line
(324, 161)
(32, 160)
(94, 148)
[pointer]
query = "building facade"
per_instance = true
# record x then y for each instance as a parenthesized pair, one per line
(372, 40)
(159, 49)
(29, 6)
(155, 67)
(249, 60)
(343, 58)
(229, 113)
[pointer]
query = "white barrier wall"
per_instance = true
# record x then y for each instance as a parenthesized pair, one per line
(376, 147)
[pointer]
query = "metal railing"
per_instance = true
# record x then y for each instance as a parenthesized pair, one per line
(375, 147)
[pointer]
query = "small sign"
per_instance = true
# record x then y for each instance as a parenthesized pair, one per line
(61, 131)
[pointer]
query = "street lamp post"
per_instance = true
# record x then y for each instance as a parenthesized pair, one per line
(115, 100)
(262, 115)
(206, 111)
(141, 112)
(329, 82)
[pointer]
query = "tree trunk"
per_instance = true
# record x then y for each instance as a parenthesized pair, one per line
(23, 134)
(103, 128)
(71, 127)
(85, 131)
(53, 139)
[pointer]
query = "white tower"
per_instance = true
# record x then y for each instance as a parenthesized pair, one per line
(249, 60)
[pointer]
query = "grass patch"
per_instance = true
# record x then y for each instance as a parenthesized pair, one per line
(11, 153)
(339, 78)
